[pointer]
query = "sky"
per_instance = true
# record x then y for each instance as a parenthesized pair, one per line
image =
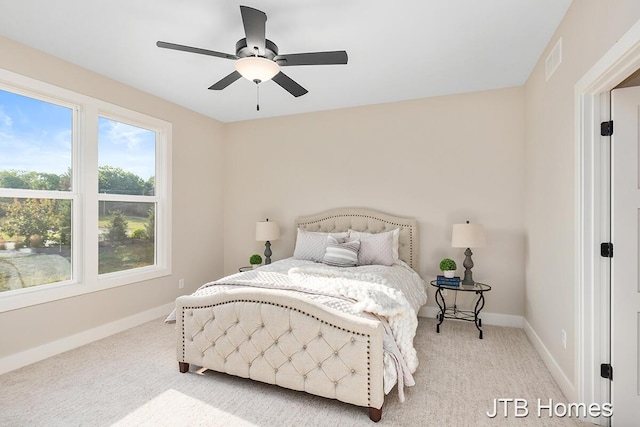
(36, 136)
(129, 147)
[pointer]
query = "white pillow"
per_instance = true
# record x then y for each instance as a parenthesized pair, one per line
(311, 245)
(377, 248)
(341, 253)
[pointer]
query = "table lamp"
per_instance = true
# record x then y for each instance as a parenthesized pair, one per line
(265, 232)
(467, 236)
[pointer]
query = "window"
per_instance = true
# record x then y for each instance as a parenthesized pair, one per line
(127, 202)
(36, 191)
(84, 194)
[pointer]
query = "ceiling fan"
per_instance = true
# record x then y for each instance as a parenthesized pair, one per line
(257, 57)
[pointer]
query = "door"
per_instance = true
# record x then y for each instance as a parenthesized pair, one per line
(625, 279)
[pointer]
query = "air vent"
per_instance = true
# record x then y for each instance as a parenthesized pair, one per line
(554, 59)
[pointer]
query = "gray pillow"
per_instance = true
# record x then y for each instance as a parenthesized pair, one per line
(311, 245)
(375, 248)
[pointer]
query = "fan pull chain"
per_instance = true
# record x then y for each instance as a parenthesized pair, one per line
(257, 82)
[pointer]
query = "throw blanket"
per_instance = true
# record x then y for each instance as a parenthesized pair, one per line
(372, 296)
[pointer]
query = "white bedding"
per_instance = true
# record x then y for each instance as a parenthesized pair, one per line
(393, 294)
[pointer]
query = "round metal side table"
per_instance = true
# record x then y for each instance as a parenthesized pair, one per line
(454, 312)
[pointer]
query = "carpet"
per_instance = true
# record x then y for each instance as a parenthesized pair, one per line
(132, 379)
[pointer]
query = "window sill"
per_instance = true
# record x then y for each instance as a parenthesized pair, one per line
(17, 299)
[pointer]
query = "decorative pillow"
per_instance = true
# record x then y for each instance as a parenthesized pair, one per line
(311, 245)
(340, 252)
(377, 248)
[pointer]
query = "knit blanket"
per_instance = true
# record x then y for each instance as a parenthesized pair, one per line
(372, 295)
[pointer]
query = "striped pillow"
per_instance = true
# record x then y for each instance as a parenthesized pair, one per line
(341, 253)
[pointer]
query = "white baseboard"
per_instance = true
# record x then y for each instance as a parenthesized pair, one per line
(557, 373)
(36, 354)
(487, 318)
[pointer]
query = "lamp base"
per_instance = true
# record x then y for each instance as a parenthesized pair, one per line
(267, 252)
(468, 265)
(468, 278)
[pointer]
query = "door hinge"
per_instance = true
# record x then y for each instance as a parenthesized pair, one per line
(606, 371)
(606, 250)
(606, 128)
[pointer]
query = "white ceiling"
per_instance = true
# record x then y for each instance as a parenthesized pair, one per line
(398, 50)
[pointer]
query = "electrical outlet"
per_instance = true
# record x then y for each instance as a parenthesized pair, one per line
(564, 339)
(180, 283)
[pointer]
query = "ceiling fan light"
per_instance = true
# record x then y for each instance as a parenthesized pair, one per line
(256, 68)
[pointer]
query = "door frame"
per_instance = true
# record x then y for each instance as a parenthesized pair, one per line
(592, 292)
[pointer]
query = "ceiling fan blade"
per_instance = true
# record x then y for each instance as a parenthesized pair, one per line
(254, 22)
(312, 58)
(289, 84)
(183, 48)
(226, 81)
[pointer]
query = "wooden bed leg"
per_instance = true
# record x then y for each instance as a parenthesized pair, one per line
(184, 367)
(375, 414)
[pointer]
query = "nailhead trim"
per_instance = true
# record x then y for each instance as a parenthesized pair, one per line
(403, 226)
(183, 335)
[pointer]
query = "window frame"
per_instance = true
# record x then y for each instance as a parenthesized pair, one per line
(84, 194)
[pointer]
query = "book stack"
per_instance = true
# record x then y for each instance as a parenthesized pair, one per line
(448, 281)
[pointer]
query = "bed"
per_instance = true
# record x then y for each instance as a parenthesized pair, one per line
(340, 332)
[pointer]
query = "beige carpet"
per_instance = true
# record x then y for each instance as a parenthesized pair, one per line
(132, 379)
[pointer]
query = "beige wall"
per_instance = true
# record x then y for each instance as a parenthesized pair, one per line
(441, 160)
(197, 209)
(589, 29)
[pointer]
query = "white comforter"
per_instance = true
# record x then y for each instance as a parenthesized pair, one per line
(392, 294)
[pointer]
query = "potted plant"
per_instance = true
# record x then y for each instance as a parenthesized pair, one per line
(255, 260)
(448, 267)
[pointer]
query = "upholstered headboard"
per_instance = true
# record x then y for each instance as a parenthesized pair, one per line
(368, 220)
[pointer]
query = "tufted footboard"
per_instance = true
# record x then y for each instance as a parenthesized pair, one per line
(277, 338)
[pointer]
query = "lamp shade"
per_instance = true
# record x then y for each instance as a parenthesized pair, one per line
(256, 68)
(467, 236)
(267, 230)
